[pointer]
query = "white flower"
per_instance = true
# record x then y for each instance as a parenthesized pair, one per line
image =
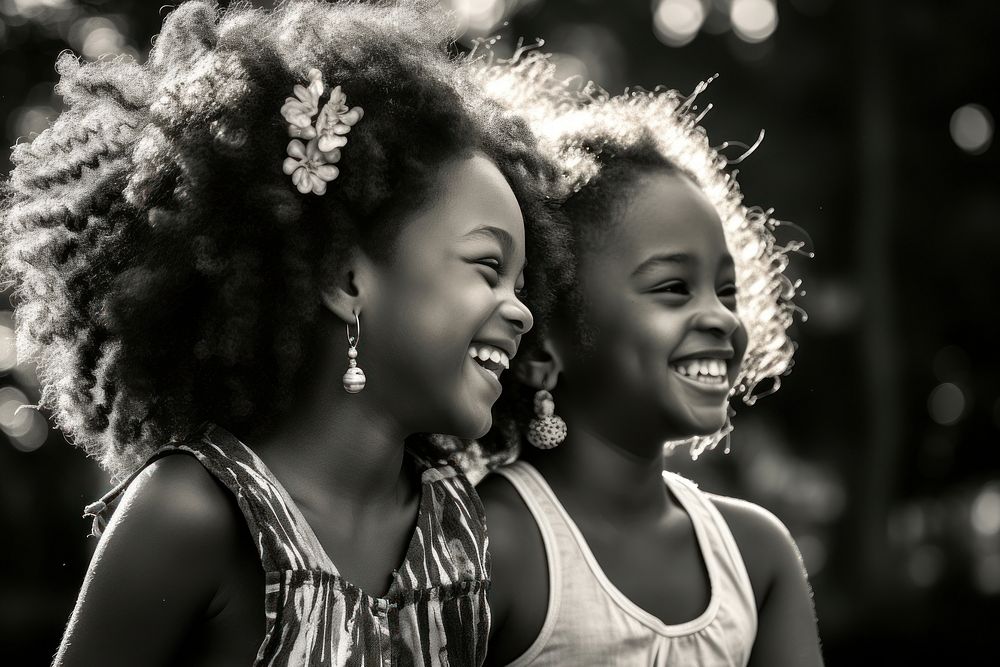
(311, 164)
(335, 121)
(310, 168)
(299, 110)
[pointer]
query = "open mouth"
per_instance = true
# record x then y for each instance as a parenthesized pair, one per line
(709, 373)
(492, 359)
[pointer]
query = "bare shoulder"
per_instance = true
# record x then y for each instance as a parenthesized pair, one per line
(158, 566)
(767, 547)
(787, 633)
(173, 510)
(519, 588)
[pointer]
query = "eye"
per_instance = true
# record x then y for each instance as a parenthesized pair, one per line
(493, 268)
(727, 292)
(677, 287)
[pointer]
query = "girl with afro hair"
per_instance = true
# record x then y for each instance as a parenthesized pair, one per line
(302, 229)
(678, 301)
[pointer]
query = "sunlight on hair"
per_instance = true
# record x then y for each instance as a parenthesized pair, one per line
(8, 348)
(559, 114)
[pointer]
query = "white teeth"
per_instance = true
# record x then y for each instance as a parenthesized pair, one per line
(713, 371)
(490, 353)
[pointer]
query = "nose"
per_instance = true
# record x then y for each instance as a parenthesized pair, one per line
(716, 317)
(515, 312)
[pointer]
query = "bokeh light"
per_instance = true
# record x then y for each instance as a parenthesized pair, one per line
(568, 66)
(984, 515)
(676, 22)
(972, 128)
(33, 9)
(98, 36)
(753, 20)
(477, 16)
(946, 403)
(26, 429)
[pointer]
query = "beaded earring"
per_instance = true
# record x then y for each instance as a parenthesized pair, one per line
(546, 430)
(354, 378)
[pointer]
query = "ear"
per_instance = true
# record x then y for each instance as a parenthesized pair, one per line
(350, 287)
(540, 367)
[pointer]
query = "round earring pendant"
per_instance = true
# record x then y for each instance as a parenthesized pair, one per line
(354, 380)
(546, 432)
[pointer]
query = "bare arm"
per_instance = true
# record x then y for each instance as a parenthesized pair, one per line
(786, 619)
(156, 569)
(519, 586)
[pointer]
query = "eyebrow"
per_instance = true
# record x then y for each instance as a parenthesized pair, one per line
(655, 260)
(501, 236)
(681, 258)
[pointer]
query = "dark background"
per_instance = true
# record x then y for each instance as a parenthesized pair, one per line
(880, 451)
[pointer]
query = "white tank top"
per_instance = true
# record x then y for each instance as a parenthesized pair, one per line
(590, 622)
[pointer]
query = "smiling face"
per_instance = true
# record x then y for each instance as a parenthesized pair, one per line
(659, 294)
(447, 318)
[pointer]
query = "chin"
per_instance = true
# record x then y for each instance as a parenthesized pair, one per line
(689, 421)
(708, 424)
(472, 425)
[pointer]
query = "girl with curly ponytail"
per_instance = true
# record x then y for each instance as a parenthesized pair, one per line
(249, 271)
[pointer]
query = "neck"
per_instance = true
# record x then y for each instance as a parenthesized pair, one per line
(333, 447)
(608, 477)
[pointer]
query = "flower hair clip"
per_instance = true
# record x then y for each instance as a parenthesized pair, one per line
(313, 164)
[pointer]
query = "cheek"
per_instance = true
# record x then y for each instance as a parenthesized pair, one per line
(632, 346)
(437, 314)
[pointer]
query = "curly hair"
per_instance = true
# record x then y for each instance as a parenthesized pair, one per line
(166, 269)
(600, 144)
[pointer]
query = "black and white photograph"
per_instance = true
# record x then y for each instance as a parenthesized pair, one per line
(471, 333)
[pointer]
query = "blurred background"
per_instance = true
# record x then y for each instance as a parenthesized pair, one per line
(881, 450)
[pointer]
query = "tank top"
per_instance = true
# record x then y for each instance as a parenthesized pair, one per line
(590, 622)
(435, 612)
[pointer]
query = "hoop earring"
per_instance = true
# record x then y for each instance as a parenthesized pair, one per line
(354, 378)
(546, 430)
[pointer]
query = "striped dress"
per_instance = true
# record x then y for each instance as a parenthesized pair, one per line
(435, 612)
